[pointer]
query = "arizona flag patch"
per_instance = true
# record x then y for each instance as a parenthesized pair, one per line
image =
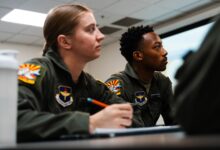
(115, 86)
(28, 73)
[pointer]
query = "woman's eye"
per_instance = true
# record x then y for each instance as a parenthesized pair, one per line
(91, 29)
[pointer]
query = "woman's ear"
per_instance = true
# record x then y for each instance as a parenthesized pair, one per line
(64, 42)
(137, 55)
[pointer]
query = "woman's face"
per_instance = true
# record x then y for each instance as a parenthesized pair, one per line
(86, 39)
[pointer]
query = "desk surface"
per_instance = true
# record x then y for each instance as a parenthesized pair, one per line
(155, 141)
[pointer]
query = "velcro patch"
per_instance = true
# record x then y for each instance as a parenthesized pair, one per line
(115, 86)
(140, 98)
(64, 97)
(28, 73)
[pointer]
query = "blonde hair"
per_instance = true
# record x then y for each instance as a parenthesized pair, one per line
(61, 20)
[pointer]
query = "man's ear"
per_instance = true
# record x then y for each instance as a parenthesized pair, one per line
(64, 42)
(137, 55)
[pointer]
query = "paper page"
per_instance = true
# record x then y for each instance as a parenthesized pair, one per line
(113, 132)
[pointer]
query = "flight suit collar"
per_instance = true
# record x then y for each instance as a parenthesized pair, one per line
(130, 71)
(56, 59)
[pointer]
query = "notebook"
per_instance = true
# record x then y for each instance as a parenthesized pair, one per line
(110, 132)
(136, 131)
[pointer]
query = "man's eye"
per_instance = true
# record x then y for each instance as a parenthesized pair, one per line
(157, 46)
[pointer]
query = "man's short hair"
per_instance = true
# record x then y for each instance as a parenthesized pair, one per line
(130, 40)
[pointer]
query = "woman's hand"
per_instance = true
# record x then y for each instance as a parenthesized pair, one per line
(113, 116)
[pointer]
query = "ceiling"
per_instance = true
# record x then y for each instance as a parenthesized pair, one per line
(107, 12)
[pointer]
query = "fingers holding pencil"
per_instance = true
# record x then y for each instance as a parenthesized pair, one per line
(125, 110)
(113, 116)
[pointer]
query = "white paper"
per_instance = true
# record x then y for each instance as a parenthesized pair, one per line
(113, 132)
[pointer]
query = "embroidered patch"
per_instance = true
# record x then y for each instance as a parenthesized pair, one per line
(140, 98)
(64, 97)
(28, 73)
(115, 86)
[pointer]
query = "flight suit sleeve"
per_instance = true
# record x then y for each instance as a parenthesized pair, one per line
(34, 123)
(167, 111)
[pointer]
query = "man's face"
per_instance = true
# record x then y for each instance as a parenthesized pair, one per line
(154, 55)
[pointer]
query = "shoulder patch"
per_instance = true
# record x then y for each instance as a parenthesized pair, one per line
(115, 86)
(28, 73)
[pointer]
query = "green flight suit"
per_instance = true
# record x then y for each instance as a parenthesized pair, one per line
(50, 104)
(153, 99)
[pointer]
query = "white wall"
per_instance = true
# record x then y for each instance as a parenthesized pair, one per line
(24, 52)
(110, 61)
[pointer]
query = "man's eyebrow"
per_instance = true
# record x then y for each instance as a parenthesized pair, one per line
(158, 42)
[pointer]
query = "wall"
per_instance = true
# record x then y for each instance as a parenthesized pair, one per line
(24, 52)
(110, 61)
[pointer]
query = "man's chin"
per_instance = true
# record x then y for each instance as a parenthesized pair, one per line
(162, 69)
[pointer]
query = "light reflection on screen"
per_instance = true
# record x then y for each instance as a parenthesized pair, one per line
(178, 45)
